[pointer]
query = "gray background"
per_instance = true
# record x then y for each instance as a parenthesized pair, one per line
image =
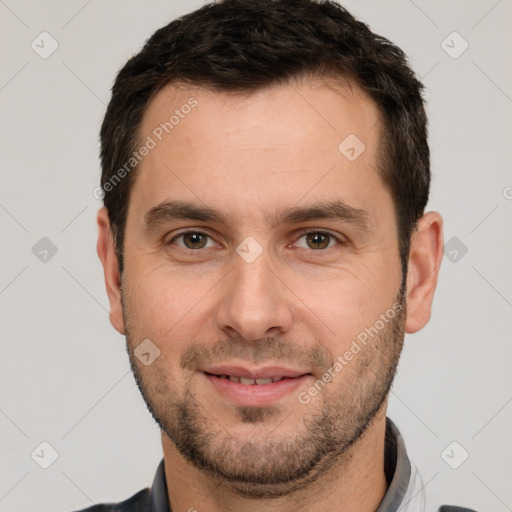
(64, 373)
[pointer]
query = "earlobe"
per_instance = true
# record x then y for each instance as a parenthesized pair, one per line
(107, 254)
(425, 258)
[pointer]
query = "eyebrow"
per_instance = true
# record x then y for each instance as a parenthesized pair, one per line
(172, 210)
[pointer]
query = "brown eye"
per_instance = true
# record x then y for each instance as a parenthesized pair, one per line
(193, 240)
(317, 240)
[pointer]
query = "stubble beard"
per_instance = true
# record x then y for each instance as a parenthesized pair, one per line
(267, 466)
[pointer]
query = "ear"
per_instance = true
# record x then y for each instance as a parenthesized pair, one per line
(425, 257)
(107, 254)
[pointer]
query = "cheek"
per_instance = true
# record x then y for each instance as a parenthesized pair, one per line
(166, 307)
(343, 306)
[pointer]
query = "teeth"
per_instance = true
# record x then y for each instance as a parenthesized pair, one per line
(263, 381)
(247, 382)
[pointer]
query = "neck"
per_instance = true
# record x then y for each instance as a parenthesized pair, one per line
(356, 484)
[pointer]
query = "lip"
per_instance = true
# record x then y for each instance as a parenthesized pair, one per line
(255, 373)
(255, 394)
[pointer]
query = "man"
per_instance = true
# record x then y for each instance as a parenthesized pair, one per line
(265, 248)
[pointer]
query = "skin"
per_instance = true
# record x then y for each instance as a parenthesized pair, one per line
(248, 156)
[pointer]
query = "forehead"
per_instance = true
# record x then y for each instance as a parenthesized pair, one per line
(270, 146)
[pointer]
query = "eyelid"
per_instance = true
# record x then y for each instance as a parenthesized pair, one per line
(190, 230)
(342, 240)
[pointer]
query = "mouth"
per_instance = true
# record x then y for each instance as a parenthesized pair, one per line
(249, 382)
(258, 387)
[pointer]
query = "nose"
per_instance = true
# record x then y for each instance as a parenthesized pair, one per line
(255, 302)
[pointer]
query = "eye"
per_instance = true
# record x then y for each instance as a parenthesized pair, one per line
(317, 240)
(193, 240)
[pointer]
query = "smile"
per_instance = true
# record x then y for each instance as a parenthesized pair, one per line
(256, 390)
(249, 382)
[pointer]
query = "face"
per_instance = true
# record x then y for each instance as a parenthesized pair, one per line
(255, 248)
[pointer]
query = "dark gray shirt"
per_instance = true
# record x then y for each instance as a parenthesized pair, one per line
(405, 488)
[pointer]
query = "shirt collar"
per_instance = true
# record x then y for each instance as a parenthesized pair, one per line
(405, 491)
(159, 494)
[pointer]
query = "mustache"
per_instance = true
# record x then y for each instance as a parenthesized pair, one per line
(277, 349)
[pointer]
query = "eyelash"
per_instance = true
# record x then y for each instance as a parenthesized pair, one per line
(302, 234)
(329, 234)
